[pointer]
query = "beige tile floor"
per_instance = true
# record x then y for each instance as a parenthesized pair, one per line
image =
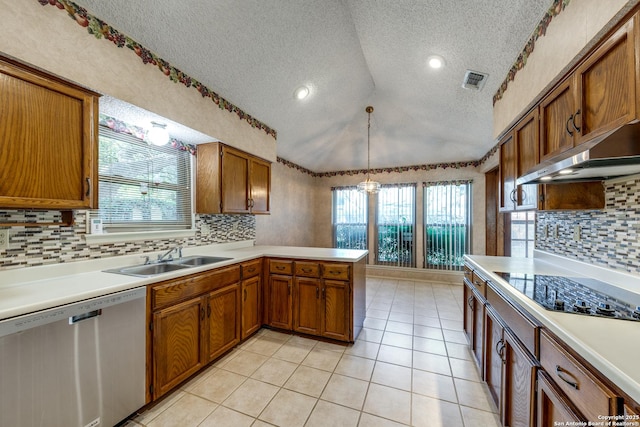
(409, 366)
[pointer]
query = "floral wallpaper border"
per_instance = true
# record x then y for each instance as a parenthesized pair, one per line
(101, 29)
(399, 169)
(556, 8)
(140, 133)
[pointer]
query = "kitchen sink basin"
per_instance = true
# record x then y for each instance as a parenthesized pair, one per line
(148, 270)
(194, 261)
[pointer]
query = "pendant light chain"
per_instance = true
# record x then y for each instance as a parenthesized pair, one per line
(369, 186)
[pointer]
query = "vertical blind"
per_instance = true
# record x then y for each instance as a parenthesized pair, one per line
(349, 218)
(395, 225)
(447, 223)
(142, 186)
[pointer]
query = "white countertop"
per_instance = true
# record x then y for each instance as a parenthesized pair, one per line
(612, 346)
(26, 290)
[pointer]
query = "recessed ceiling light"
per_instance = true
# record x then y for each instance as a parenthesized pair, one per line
(301, 93)
(435, 61)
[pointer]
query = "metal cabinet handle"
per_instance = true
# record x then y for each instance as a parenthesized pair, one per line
(88, 193)
(561, 373)
(202, 313)
(324, 293)
(500, 349)
(574, 121)
(307, 270)
(334, 272)
(512, 195)
(245, 295)
(566, 126)
(317, 292)
(470, 302)
(209, 311)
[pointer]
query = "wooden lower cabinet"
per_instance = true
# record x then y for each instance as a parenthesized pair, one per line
(519, 374)
(279, 301)
(474, 324)
(307, 305)
(178, 344)
(223, 318)
(552, 405)
(335, 310)
(494, 348)
(251, 291)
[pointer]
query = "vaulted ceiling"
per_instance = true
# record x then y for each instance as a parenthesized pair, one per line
(350, 54)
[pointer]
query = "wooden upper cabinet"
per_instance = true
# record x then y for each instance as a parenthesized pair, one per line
(48, 140)
(526, 135)
(507, 173)
(231, 181)
(235, 181)
(556, 120)
(606, 86)
(260, 186)
(597, 98)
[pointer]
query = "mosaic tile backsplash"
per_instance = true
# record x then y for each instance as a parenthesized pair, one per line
(31, 246)
(607, 237)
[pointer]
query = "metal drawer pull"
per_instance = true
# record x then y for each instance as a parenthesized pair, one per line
(84, 316)
(560, 372)
(317, 292)
(307, 270)
(334, 272)
(475, 282)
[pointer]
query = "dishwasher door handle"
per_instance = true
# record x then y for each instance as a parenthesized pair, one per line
(84, 316)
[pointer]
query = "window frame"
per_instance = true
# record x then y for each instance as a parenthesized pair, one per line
(376, 229)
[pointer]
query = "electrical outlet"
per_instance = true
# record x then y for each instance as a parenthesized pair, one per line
(545, 231)
(576, 233)
(556, 231)
(4, 239)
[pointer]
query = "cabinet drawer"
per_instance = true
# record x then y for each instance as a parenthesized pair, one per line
(587, 393)
(335, 271)
(479, 283)
(522, 327)
(468, 273)
(251, 268)
(281, 267)
(173, 291)
(307, 269)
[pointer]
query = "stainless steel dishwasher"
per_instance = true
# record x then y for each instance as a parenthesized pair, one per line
(81, 364)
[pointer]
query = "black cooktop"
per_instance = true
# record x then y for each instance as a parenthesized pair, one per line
(577, 295)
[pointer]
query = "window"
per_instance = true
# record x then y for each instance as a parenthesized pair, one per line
(395, 224)
(142, 186)
(522, 234)
(349, 218)
(447, 224)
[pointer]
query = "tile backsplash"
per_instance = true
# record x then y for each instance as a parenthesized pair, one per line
(32, 246)
(607, 237)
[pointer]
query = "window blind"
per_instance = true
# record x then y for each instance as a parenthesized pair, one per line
(395, 225)
(142, 186)
(447, 223)
(349, 218)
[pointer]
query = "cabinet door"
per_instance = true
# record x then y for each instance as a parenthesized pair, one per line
(223, 316)
(49, 134)
(306, 305)
(507, 173)
(606, 86)
(279, 294)
(527, 142)
(468, 314)
(552, 407)
(494, 350)
(178, 344)
(250, 306)
(208, 176)
(336, 312)
(235, 181)
(478, 333)
(260, 180)
(519, 384)
(556, 121)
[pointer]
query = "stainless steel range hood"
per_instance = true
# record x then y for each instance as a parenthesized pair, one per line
(614, 154)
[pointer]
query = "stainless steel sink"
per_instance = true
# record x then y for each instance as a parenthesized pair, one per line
(148, 270)
(197, 260)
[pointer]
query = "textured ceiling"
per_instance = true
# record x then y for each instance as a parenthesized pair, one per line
(351, 53)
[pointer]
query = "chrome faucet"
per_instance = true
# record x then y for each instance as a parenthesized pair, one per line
(167, 255)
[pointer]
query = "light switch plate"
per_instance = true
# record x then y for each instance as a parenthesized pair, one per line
(576, 233)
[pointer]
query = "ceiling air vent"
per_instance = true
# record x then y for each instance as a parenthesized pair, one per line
(474, 80)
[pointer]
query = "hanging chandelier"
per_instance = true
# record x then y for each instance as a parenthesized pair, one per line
(369, 186)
